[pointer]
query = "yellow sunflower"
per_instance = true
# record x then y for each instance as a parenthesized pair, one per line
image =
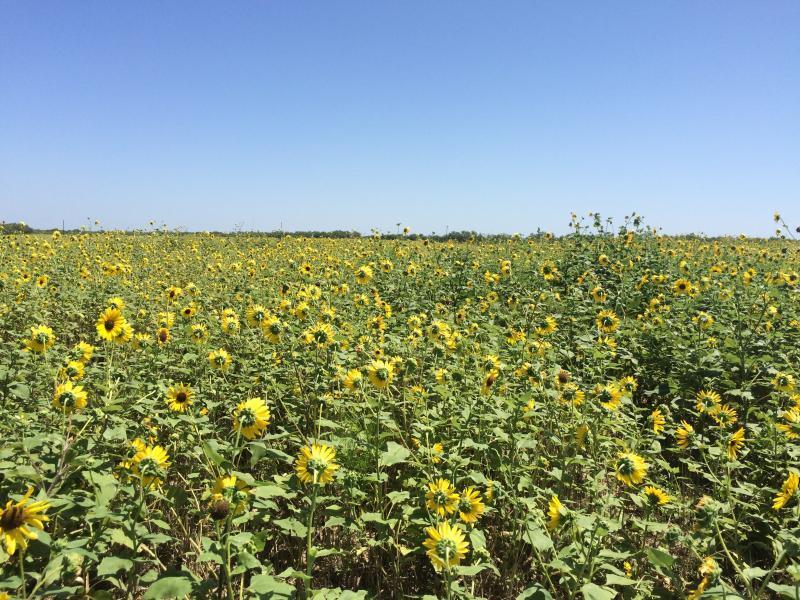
(41, 340)
(447, 546)
(631, 468)
(179, 397)
(110, 324)
(470, 506)
(441, 497)
(150, 465)
(380, 373)
(69, 397)
(19, 520)
(251, 418)
(315, 464)
(788, 491)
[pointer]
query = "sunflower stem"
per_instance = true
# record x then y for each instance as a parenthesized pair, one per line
(23, 593)
(309, 539)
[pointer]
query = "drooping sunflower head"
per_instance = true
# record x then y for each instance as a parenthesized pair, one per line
(441, 497)
(150, 465)
(251, 418)
(655, 496)
(69, 397)
(315, 464)
(380, 373)
(631, 468)
(42, 339)
(707, 401)
(446, 545)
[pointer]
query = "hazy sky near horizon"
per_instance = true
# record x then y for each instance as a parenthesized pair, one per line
(487, 116)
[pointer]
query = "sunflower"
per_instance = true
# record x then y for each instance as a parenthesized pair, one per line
(173, 293)
(684, 434)
(189, 311)
(783, 382)
(735, 443)
(571, 394)
(219, 359)
(18, 520)
(631, 468)
(723, 415)
(320, 335)
(110, 324)
(69, 397)
(655, 496)
(609, 396)
(229, 321)
(658, 420)
(251, 418)
(599, 295)
(231, 490)
(470, 506)
(703, 319)
(788, 490)
(682, 287)
(42, 339)
(163, 336)
(84, 351)
(441, 497)
(607, 321)
(352, 379)
(546, 326)
(315, 464)
(488, 382)
(198, 333)
(555, 511)
(549, 270)
(446, 544)
(150, 464)
(273, 329)
(116, 303)
(380, 373)
(179, 397)
(364, 274)
(791, 427)
(256, 315)
(627, 385)
(707, 401)
(73, 371)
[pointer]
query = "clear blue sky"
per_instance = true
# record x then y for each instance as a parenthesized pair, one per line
(493, 116)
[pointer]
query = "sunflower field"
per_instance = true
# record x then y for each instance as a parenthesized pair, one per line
(612, 413)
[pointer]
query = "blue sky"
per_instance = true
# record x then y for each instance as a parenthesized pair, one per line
(492, 116)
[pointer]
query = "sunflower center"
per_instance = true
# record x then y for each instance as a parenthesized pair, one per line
(12, 518)
(465, 506)
(439, 497)
(181, 397)
(109, 324)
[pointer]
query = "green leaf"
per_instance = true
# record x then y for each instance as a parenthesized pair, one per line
(536, 592)
(266, 586)
(659, 558)
(592, 591)
(111, 564)
(169, 587)
(394, 454)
